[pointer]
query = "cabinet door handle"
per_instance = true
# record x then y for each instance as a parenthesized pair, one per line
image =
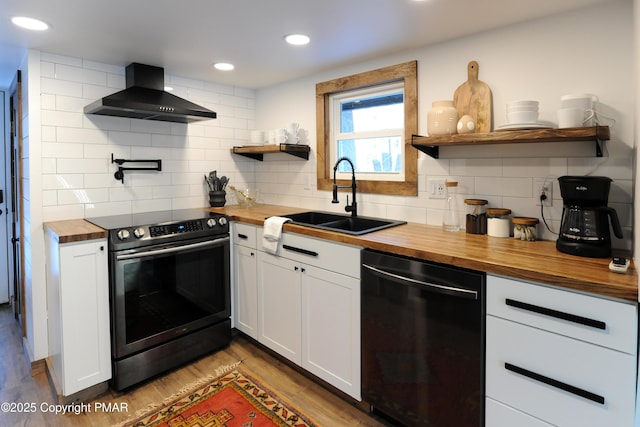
(555, 383)
(300, 250)
(242, 236)
(557, 314)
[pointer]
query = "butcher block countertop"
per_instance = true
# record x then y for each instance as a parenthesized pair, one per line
(75, 230)
(535, 261)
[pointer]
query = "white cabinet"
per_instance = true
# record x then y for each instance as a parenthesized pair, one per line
(78, 313)
(331, 328)
(558, 357)
(309, 308)
(245, 282)
(279, 296)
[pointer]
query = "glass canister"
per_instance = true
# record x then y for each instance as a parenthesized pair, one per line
(476, 218)
(498, 222)
(451, 218)
(525, 228)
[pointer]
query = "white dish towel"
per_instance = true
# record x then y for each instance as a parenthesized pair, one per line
(272, 233)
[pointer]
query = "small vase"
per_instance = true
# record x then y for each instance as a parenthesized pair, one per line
(217, 199)
(442, 119)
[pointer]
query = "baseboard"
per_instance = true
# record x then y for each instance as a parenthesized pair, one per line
(37, 366)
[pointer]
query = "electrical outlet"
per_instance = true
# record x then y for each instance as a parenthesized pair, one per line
(437, 189)
(543, 187)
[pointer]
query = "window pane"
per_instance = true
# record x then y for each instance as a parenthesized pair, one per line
(372, 113)
(374, 155)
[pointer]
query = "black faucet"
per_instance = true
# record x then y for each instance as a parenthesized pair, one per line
(353, 207)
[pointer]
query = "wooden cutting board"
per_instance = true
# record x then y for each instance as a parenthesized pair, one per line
(473, 97)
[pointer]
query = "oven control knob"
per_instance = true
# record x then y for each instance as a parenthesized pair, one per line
(222, 221)
(139, 232)
(211, 223)
(123, 234)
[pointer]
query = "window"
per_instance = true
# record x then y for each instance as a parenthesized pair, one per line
(367, 126)
(369, 118)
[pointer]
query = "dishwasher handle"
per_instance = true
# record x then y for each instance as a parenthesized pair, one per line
(432, 287)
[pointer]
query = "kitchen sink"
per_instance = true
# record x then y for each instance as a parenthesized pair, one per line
(342, 223)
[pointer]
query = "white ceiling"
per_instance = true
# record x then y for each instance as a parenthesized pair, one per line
(186, 37)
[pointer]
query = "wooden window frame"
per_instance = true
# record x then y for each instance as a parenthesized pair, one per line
(406, 72)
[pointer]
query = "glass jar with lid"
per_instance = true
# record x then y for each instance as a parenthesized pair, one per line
(525, 228)
(498, 222)
(476, 218)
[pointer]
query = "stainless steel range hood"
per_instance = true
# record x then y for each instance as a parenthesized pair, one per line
(145, 98)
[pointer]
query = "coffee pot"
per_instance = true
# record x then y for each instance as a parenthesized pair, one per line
(584, 228)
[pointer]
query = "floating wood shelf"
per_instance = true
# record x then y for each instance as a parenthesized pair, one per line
(431, 144)
(257, 152)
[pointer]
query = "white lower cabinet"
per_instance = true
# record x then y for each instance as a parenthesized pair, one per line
(245, 280)
(309, 309)
(558, 357)
(279, 297)
(78, 313)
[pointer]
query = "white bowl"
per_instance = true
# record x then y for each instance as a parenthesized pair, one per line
(522, 117)
(509, 109)
(523, 103)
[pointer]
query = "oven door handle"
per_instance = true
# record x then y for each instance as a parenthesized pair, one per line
(172, 249)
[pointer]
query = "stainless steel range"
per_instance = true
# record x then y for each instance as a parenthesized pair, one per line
(169, 290)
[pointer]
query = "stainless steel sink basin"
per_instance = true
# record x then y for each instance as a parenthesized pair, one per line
(342, 223)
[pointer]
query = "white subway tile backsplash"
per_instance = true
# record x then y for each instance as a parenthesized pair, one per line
(122, 193)
(132, 139)
(60, 118)
(79, 74)
(61, 87)
(81, 135)
(67, 165)
(62, 181)
(60, 149)
(86, 195)
(151, 205)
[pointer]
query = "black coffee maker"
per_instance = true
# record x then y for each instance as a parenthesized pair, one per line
(584, 229)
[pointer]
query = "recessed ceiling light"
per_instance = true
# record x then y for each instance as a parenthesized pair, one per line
(223, 66)
(297, 39)
(30, 23)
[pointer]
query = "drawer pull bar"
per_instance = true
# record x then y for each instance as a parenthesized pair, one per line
(555, 383)
(242, 236)
(557, 314)
(300, 250)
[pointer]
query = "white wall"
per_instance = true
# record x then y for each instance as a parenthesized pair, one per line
(585, 51)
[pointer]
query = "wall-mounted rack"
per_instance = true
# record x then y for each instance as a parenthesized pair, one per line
(119, 175)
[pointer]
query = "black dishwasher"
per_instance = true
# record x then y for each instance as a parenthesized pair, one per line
(423, 341)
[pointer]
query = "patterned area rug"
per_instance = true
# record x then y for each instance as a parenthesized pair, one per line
(234, 399)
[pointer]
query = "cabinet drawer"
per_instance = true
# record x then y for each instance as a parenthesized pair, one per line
(500, 415)
(600, 321)
(245, 234)
(331, 256)
(560, 380)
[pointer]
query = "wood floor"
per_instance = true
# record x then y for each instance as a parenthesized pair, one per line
(18, 386)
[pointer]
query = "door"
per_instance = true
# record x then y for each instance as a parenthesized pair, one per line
(4, 230)
(279, 324)
(16, 252)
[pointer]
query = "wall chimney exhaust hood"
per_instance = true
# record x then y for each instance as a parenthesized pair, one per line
(145, 98)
